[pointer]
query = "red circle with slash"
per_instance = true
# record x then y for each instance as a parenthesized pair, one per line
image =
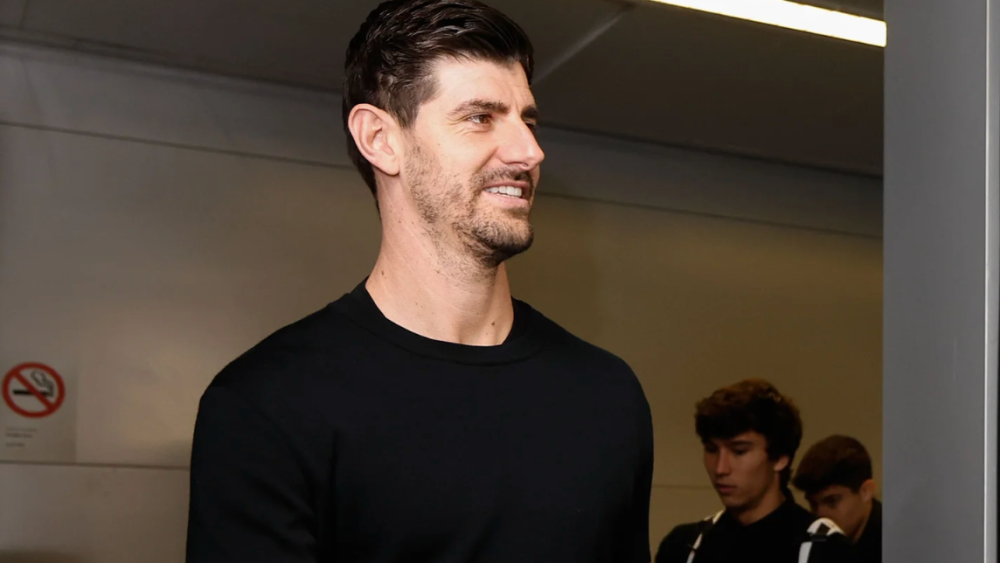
(40, 383)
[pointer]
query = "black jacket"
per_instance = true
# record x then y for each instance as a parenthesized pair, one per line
(776, 538)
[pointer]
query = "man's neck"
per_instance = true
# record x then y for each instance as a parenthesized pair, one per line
(864, 525)
(439, 294)
(771, 501)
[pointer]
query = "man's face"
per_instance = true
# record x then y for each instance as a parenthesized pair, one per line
(471, 160)
(740, 469)
(848, 509)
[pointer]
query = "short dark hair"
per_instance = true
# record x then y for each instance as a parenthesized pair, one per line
(388, 62)
(752, 405)
(837, 460)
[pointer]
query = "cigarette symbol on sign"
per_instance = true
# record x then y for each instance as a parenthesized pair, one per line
(46, 386)
(33, 390)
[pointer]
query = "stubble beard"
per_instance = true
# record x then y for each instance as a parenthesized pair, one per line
(445, 203)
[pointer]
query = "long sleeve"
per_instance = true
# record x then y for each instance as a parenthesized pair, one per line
(250, 501)
(640, 517)
(642, 489)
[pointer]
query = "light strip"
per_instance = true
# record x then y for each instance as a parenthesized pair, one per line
(794, 16)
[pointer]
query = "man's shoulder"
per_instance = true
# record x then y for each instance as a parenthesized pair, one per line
(572, 345)
(595, 369)
(676, 546)
(828, 542)
(686, 533)
(797, 514)
(288, 358)
(809, 524)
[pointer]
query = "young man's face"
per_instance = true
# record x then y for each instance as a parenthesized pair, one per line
(741, 471)
(848, 509)
(471, 158)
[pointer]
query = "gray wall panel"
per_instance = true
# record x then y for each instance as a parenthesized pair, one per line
(940, 283)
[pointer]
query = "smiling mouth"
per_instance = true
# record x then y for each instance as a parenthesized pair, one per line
(509, 191)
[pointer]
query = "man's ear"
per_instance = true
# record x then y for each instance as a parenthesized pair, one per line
(867, 490)
(375, 134)
(781, 463)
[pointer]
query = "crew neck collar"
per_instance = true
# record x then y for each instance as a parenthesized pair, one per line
(522, 342)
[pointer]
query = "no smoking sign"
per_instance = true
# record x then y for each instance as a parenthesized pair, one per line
(38, 412)
(33, 390)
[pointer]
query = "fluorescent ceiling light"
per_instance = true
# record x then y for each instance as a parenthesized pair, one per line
(794, 16)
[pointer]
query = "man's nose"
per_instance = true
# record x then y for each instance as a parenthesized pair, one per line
(519, 147)
(722, 465)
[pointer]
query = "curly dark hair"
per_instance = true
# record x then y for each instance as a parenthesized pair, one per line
(836, 460)
(752, 405)
(389, 61)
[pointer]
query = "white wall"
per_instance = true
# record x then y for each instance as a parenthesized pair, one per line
(154, 224)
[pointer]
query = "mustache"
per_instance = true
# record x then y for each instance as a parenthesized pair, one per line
(508, 174)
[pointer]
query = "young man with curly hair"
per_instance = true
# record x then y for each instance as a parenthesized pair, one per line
(750, 433)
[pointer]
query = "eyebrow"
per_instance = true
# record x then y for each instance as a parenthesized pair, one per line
(736, 443)
(492, 106)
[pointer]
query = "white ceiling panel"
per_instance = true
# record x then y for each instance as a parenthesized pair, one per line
(659, 73)
(554, 26)
(294, 41)
(866, 8)
(683, 77)
(11, 12)
(300, 42)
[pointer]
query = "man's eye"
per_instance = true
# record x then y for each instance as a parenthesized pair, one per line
(740, 451)
(480, 119)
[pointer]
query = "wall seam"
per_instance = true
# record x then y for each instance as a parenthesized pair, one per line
(348, 167)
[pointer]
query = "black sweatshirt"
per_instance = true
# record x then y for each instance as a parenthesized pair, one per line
(869, 546)
(346, 438)
(776, 538)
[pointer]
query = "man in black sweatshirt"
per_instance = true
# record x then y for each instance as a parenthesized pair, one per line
(836, 477)
(427, 415)
(750, 433)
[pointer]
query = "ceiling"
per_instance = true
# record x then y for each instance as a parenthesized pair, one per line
(626, 68)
